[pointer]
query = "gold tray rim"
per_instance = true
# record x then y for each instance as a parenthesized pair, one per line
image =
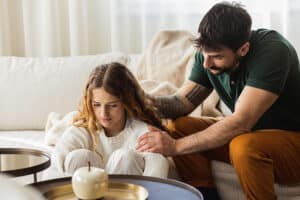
(58, 191)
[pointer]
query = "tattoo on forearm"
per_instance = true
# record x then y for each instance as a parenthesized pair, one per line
(171, 106)
(194, 96)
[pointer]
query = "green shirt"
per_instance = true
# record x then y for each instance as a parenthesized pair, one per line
(271, 64)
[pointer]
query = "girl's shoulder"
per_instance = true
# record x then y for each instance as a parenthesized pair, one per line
(137, 126)
(76, 131)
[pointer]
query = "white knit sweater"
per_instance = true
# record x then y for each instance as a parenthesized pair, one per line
(76, 140)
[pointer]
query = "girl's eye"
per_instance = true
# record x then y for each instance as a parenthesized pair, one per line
(107, 106)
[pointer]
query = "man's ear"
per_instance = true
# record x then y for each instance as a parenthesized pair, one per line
(243, 50)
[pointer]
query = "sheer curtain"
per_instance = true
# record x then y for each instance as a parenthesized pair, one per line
(82, 27)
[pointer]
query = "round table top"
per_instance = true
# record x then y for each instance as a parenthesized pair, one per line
(36, 161)
(158, 188)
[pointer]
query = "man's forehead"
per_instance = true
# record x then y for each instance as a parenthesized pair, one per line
(212, 52)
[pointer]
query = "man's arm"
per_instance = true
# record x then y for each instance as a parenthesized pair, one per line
(248, 110)
(188, 97)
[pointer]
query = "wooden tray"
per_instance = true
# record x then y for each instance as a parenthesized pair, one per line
(116, 191)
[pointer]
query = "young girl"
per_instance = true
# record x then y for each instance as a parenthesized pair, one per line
(113, 113)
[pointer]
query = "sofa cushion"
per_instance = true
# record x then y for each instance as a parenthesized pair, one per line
(228, 185)
(24, 139)
(31, 88)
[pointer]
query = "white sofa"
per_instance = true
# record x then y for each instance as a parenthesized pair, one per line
(31, 88)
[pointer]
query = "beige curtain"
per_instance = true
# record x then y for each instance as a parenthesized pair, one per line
(81, 27)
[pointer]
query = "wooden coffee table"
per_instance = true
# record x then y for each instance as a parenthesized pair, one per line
(23, 161)
(157, 188)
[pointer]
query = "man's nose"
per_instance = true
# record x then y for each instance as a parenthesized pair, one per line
(207, 62)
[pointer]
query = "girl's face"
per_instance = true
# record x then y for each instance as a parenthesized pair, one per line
(109, 111)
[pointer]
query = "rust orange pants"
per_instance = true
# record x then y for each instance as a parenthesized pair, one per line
(260, 158)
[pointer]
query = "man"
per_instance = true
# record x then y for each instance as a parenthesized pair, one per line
(257, 75)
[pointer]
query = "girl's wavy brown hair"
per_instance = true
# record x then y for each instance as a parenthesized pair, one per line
(117, 80)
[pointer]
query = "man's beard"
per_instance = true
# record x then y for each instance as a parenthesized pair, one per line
(217, 70)
(227, 69)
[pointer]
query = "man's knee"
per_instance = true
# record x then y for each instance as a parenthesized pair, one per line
(183, 126)
(243, 147)
(177, 124)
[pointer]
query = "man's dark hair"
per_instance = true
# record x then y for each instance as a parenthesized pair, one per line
(225, 24)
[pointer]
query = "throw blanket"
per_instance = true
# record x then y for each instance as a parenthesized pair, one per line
(168, 57)
(56, 125)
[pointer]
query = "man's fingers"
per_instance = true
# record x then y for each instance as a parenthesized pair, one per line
(143, 142)
(148, 148)
(146, 136)
(143, 147)
(140, 146)
(142, 137)
(147, 144)
(150, 142)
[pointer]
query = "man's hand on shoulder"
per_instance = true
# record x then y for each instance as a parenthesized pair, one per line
(157, 141)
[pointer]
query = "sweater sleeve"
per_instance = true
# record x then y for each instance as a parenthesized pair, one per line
(156, 165)
(73, 146)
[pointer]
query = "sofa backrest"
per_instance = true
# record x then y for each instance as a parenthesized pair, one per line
(31, 88)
